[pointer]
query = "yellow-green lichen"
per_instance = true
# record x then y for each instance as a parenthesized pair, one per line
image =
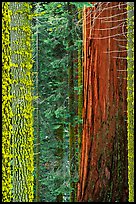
(6, 106)
(17, 109)
(130, 98)
(22, 120)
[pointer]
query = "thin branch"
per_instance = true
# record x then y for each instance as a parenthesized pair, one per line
(95, 11)
(119, 70)
(111, 51)
(110, 27)
(111, 7)
(107, 8)
(104, 17)
(110, 36)
(36, 144)
(94, 20)
(112, 21)
(120, 57)
(36, 154)
(40, 102)
(122, 78)
(124, 40)
(123, 46)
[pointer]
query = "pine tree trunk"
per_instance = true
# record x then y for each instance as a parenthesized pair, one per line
(21, 90)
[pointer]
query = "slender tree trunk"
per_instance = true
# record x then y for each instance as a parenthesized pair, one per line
(71, 106)
(37, 116)
(59, 161)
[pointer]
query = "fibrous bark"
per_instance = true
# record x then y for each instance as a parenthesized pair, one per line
(103, 166)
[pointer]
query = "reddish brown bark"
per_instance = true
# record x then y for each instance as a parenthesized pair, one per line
(103, 167)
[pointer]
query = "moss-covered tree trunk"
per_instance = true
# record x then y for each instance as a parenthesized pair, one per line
(130, 98)
(21, 90)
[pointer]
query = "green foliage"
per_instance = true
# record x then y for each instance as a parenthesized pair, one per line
(53, 55)
(80, 5)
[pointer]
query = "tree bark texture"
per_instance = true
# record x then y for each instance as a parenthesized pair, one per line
(22, 164)
(103, 165)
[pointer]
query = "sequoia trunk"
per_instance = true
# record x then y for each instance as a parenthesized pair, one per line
(103, 166)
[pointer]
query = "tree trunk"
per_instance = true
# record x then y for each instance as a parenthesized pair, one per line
(103, 166)
(130, 98)
(71, 106)
(59, 161)
(37, 178)
(21, 90)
